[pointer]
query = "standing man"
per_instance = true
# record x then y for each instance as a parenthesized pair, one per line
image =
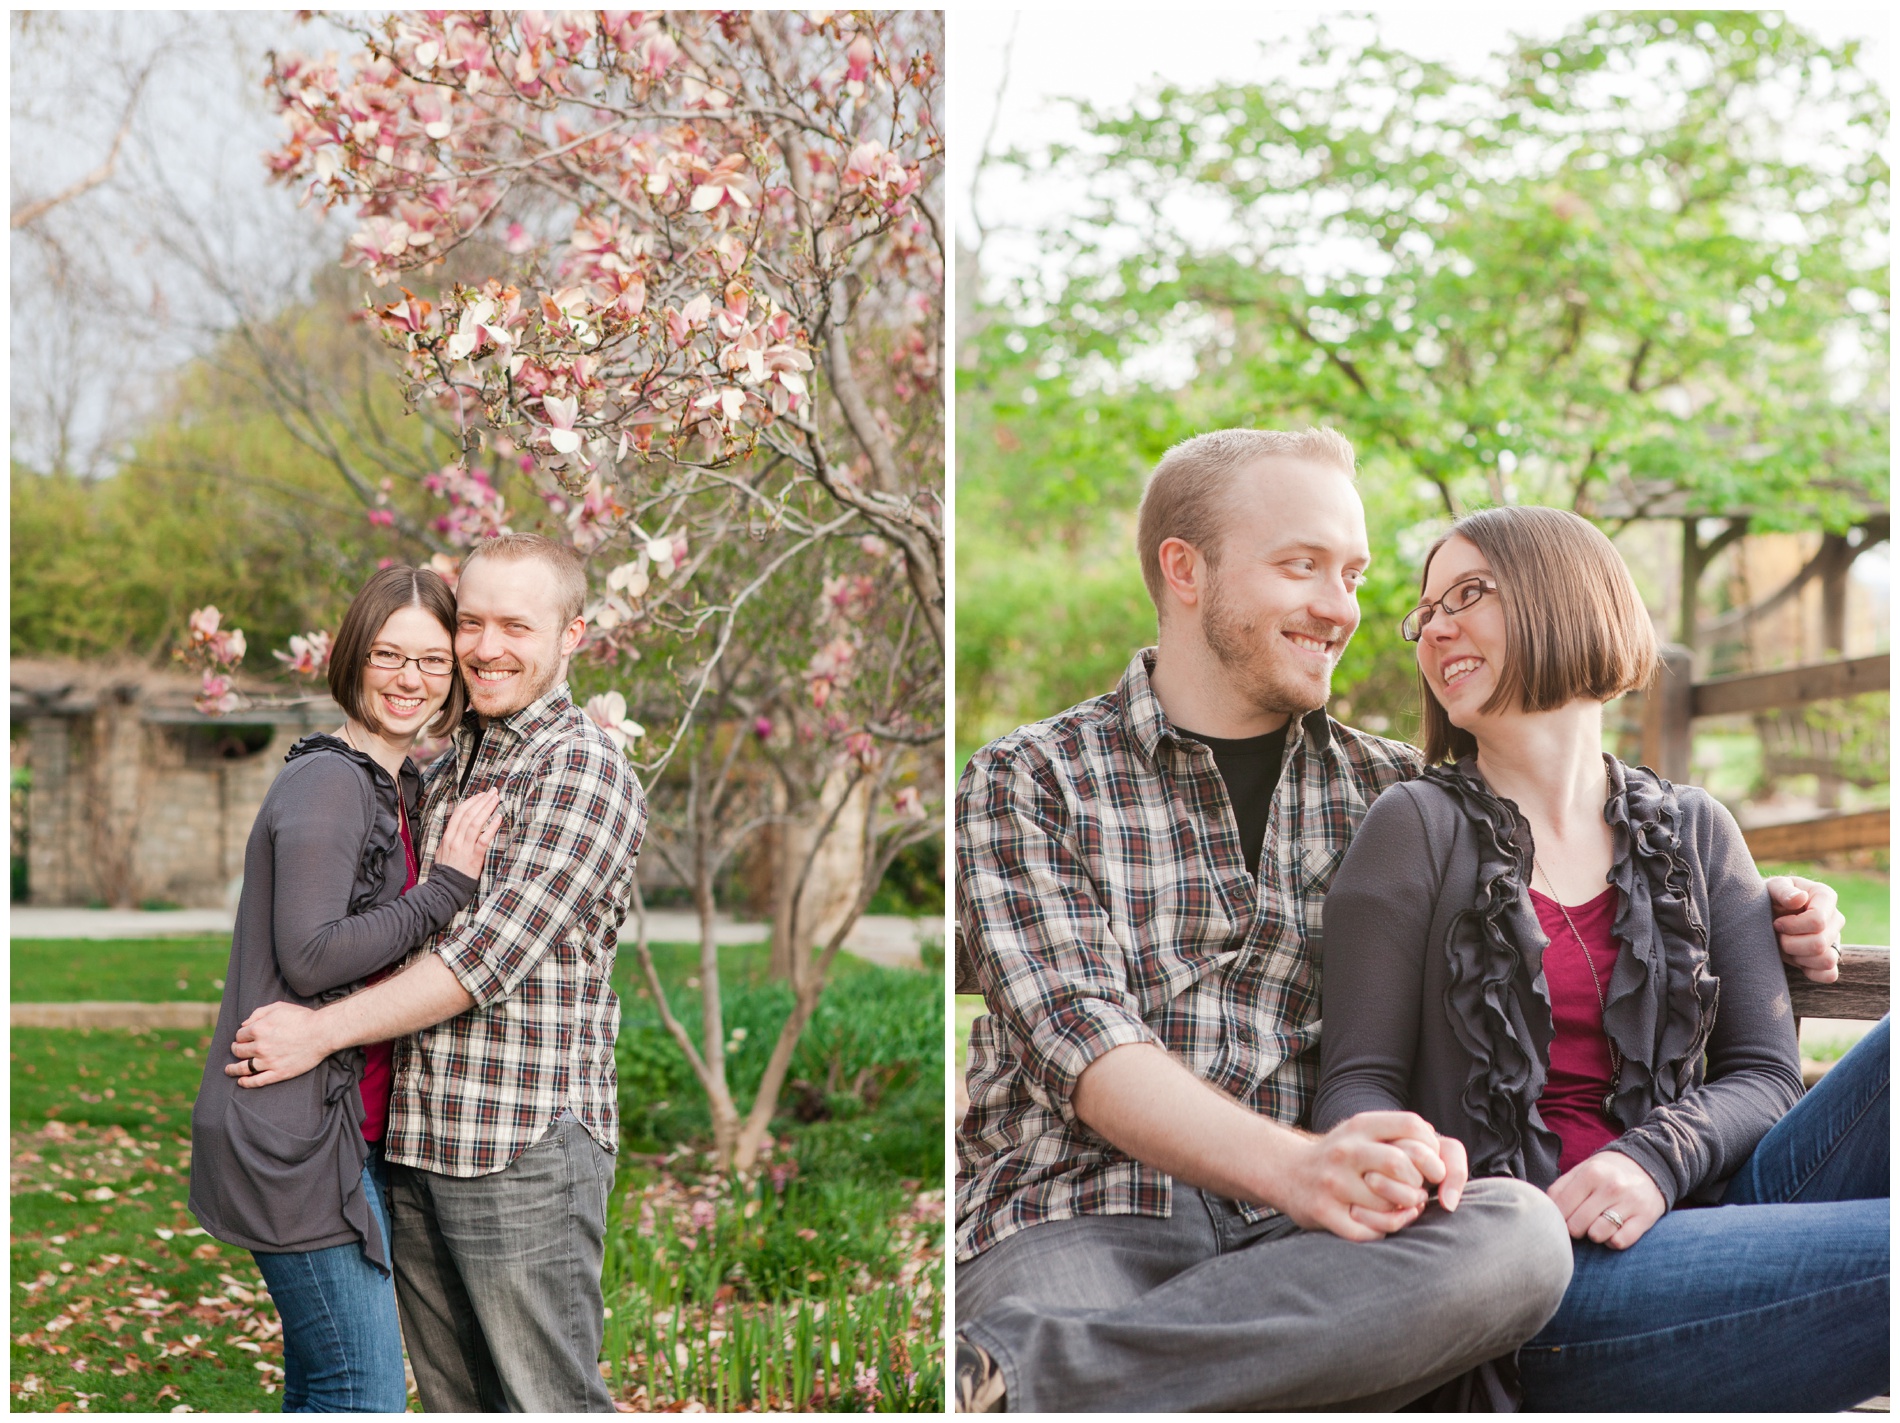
(1141, 1222)
(504, 1116)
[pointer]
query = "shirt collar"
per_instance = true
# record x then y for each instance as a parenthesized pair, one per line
(1150, 726)
(522, 724)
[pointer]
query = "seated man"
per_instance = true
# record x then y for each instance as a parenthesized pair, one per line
(1141, 1223)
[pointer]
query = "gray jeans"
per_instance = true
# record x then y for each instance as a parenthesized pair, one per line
(498, 1278)
(1204, 1310)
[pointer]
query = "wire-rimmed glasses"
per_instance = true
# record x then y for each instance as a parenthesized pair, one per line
(1457, 599)
(387, 659)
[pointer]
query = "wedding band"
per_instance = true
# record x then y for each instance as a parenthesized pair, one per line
(250, 1067)
(1613, 1218)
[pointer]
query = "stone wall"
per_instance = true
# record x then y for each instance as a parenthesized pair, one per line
(128, 810)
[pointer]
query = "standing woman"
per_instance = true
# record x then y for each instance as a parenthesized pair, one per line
(1569, 964)
(294, 1172)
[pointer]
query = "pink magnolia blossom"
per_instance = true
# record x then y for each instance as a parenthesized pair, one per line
(203, 623)
(217, 696)
(668, 553)
(831, 666)
(476, 510)
(848, 598)
(858, 59)
(561, 414)
(608, 711)
(909, 805)
(630, 578)
(309, 655)
(211, 643)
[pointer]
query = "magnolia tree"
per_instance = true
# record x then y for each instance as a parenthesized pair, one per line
(673, 283)
(834, 758)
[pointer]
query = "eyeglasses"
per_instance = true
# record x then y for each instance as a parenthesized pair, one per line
(387, 659)
(1457, 599)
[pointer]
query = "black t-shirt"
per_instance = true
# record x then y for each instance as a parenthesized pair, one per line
(1251, 769)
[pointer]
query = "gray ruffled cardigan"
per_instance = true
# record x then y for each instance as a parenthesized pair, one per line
(280, 1168)
(1434, 997)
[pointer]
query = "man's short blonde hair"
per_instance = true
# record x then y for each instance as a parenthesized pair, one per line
(563, 562)
(1189, 495)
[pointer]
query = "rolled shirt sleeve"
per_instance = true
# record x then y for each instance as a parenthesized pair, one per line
(1046, 955)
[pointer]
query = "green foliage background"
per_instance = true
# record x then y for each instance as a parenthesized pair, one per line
(1646, 261)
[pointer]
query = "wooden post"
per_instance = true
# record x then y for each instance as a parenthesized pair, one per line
(1840, 557)
(1668, 710)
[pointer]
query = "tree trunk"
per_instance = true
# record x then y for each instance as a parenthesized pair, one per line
(823, 845)
(712, 1023)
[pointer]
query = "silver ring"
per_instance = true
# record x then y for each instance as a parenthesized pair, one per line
(1613, 1218)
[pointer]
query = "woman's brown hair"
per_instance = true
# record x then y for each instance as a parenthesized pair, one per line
(387, 590)
(1574, 624)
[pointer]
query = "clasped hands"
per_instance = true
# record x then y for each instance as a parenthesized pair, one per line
(1368, 1177)
(1372, 1175)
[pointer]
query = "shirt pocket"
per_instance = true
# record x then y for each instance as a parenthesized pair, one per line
(1313, 870)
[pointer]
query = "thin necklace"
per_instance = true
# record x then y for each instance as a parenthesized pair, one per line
(1603, 1007)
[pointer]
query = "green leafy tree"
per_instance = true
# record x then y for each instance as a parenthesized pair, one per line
(228, 497)
(1639, 270)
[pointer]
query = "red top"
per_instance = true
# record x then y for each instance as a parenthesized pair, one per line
(376, 1056)
(1572, 1104)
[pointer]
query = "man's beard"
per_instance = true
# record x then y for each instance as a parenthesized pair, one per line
(521, 692)
(1252, 660)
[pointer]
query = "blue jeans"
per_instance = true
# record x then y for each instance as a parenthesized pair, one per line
(1774, 1301)
(342, 1345)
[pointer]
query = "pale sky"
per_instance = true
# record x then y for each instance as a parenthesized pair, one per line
(1108, 57)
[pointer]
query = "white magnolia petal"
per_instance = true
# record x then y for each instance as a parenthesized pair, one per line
(566, 441)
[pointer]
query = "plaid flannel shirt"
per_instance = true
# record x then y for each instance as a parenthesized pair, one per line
(535, 949)
(1101, 882)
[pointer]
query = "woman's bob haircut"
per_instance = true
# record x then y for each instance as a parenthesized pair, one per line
(1574, 624)
(387, 590)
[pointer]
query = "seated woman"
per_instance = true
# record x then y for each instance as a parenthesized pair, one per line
(1568, 964)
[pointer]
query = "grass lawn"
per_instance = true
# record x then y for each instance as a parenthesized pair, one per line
(120, 1302)
(119, 970)
(817, 1285)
